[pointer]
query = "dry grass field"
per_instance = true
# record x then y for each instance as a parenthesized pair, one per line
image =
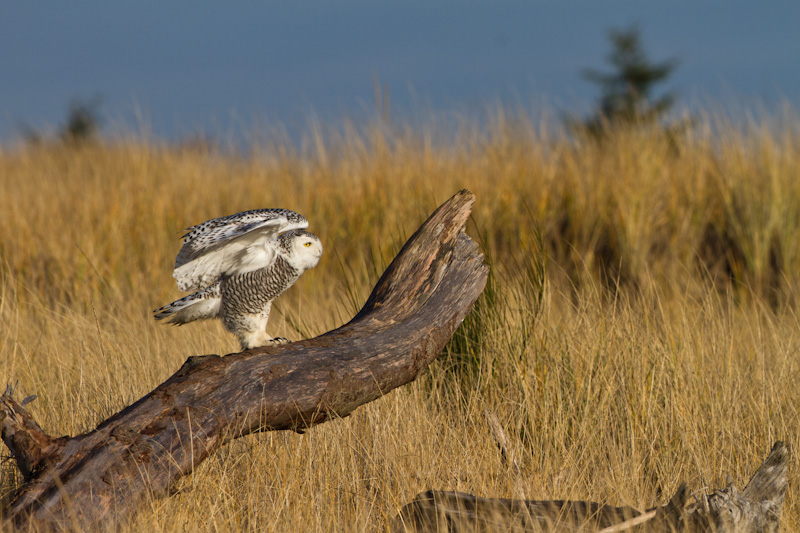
(640, 327)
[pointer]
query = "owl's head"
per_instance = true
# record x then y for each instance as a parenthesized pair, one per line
(301, 248)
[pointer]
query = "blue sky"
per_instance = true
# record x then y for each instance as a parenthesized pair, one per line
(185, 68)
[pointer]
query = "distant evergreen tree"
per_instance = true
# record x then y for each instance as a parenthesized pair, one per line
(626, 92)
(82, 123)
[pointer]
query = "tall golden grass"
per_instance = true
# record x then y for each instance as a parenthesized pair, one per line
(640, 328)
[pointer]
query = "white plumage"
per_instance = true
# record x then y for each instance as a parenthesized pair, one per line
(238, 265)
(231, 245)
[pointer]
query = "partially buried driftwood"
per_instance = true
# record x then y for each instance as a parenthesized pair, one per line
(101, 477)
(756, 509)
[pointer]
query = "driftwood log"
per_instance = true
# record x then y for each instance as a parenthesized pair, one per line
(756, 509)
(101, 477)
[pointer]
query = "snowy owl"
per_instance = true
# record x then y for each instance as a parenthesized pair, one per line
(238, 265)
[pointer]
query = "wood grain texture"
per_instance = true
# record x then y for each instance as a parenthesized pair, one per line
(757, 509)
(101, 477)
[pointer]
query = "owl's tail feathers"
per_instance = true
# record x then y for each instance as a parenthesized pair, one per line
(198, 306)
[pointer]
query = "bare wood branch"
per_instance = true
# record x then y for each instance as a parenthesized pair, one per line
(629, 524)
(756, 509)
(456, 511)
(103, 476)
(31, 446)
(503, 443)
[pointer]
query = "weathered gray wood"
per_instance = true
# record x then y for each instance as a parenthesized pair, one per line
(757, 509)
(102, 476)
(460, 512)
(30, 444)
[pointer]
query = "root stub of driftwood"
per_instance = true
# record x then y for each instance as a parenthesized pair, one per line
(101, 477)
(756, 509)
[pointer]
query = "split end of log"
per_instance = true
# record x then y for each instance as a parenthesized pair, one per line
(757, 508)
(31, 447)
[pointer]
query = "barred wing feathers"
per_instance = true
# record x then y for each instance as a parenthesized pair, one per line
(230, 245)
(197, 306)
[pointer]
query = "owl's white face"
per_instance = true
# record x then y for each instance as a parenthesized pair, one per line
(306, 250)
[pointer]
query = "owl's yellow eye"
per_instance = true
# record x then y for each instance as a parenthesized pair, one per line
(307, 244)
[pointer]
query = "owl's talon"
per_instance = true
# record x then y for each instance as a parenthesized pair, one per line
(280, 340)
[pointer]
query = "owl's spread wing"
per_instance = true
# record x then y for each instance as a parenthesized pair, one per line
(230, 245)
